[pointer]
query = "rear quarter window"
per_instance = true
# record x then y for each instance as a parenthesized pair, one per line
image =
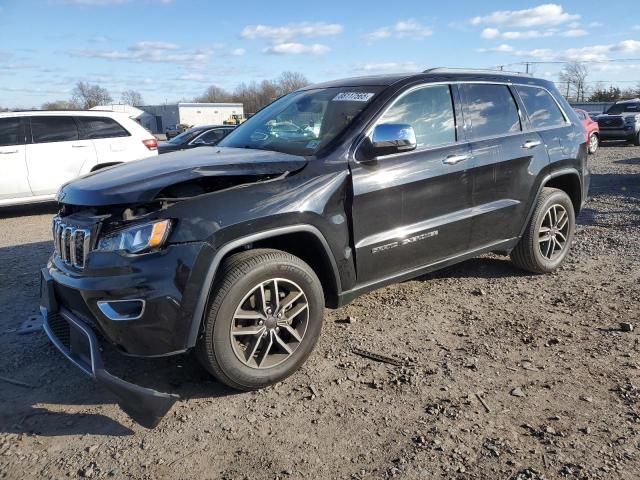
(92, 128)
(542, 109)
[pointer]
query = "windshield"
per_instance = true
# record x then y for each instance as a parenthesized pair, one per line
(301, 123)
(184, 137)
(623, 107)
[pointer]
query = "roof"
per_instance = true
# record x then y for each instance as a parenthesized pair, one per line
(630, 100)
(194, 104)
(63, 113)
(435, 74)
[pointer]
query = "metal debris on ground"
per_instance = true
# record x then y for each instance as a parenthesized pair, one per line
(377, 357)
(30, 325)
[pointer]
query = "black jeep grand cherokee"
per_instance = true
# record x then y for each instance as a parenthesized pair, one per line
(235, 250)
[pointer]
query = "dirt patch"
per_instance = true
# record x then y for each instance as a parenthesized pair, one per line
(499, 375)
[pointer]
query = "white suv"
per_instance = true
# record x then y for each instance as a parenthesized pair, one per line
(40, 151)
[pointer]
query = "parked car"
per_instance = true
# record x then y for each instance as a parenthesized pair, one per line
(175, 130)
(234, 252)
(592, 128)
(206, 135)
(621, 121)
(40, 151)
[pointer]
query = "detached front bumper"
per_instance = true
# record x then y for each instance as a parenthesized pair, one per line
(79, 344)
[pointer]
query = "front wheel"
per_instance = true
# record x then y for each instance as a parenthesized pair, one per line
(547, 239)
(263, 321)
(594, 143)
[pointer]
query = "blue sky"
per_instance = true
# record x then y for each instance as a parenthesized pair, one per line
(173, 49)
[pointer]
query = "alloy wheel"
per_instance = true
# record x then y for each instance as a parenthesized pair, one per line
(593, 143)
(270, 323)
(554, 231)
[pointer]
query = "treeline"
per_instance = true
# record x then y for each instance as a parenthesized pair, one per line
(255, 95)
(613, 94)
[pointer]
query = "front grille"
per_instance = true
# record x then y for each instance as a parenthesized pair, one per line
(71, 243)
(611, 122)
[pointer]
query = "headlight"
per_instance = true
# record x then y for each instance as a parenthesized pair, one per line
(629, 120)
(137, 239)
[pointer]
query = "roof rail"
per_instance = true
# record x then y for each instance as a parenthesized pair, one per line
(474, 70)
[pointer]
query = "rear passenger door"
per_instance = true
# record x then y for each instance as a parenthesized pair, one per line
(56, 154)
(14, 182)
(413, 209)
(112, 142)
(505, 164)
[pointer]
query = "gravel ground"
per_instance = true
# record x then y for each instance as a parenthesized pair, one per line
(505, 375)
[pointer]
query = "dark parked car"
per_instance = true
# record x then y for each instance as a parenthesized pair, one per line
(236, 251)
(621, 121)
(206, 135)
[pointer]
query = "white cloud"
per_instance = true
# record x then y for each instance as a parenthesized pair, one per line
(636, 27)
(402, 29)
(291, 31)
(490, 33)
(503, 48)
(592, 53)
(547, 14)
(390, 67)
(576, 32)
(526, 35)
(294, 48)
(193, 77)
(238, 52)
(595, 24)
(150, 52)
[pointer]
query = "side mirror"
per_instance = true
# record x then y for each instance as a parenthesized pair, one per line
(389, 138)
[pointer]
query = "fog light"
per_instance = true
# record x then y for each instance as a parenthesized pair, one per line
(122, 309)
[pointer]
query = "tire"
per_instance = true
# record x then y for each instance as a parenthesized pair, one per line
(594, 143)
(636, 141)
(225, 348)
(534, 254)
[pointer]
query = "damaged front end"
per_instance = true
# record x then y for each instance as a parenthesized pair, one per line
(107, 284)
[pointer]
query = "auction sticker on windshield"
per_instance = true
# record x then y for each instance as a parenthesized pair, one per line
(353, 97)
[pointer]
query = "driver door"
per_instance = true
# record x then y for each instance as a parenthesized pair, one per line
(414, 209)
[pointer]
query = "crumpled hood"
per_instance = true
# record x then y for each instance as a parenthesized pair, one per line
(141, 180)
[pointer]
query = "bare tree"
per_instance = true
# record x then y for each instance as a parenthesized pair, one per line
(573, 79)
(214, 94)
(59, 105)
(88, 96)
(290, 82)
(131, 97)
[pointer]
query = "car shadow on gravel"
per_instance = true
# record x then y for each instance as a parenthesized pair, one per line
(628, 161)
(486, 267)
(56, 398)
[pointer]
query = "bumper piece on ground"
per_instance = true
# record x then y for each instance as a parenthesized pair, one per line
(79, 344)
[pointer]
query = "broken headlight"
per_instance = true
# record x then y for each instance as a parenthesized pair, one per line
(137, 239)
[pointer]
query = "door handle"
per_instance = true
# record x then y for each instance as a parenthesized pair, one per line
(531, 143)
(453, 159)
(79, 146)
(8, 152)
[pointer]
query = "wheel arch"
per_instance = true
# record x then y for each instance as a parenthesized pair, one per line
(567, 180)
(303, 241)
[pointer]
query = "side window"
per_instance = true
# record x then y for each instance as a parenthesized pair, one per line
(53, 129)
(92, 128)
(542, 109)
(429, 111)
(490, 110)
(10, 132)
(211, 137)
(581, 115)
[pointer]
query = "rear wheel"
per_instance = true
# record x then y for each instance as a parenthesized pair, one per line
(594, 143)
(547, 239)
(636, 141)
(264, 319)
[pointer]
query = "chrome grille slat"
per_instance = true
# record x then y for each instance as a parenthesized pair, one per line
(72, 244)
